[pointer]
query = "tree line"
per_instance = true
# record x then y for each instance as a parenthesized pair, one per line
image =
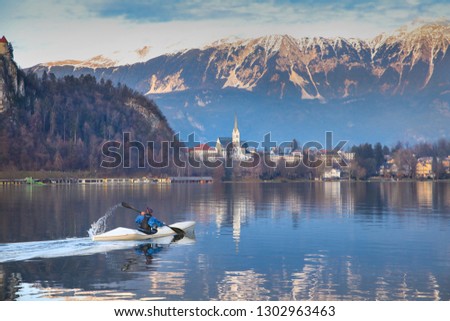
(369, 159)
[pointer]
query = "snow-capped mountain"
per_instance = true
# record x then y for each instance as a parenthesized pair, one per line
(285, 70)
(280, 65)
(418, 57)
(114, 59)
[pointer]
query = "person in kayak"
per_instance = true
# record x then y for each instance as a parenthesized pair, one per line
(147, 223)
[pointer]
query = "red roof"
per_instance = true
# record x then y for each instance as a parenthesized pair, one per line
(3, 40)
(203, 147)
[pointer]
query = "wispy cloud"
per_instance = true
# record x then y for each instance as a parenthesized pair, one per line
(266, 10)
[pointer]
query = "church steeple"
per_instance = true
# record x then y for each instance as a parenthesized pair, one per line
(236, 136)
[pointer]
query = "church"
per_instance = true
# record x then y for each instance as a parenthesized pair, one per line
(232, 144)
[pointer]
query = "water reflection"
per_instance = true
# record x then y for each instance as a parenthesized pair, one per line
(151, 249)
(72, 209)
(237, 204)
(313, 282)
(59, 273)
(148, 250)
(317, 281)
(167, 284)
(307, 241)
(425, 194)
(243, 286)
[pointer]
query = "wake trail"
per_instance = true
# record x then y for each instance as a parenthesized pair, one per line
(22, 251)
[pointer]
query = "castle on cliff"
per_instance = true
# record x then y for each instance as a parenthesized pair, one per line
(4, 46)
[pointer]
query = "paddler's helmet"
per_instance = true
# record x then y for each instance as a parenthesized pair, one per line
(149, 211)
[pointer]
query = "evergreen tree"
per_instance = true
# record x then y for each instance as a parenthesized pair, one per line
(378, 155)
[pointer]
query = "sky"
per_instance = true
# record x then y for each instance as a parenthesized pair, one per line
(53, 30)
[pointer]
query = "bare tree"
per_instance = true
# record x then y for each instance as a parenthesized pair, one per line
(406, 162)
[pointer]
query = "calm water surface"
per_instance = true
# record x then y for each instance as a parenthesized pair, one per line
(303, 241)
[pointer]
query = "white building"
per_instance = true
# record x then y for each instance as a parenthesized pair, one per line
(331, 173)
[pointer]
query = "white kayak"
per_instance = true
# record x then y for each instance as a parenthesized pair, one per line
(128, 234)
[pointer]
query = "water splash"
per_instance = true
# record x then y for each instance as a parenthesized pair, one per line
(99, 227)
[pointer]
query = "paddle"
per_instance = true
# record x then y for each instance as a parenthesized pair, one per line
(175, 229)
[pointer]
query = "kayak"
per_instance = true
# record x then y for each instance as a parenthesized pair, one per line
(128, 234)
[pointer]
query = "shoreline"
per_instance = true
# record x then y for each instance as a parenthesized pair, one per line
(284, 181)
(73, 178)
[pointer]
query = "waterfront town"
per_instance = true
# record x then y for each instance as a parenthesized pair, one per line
(360, 162)
(287, 162)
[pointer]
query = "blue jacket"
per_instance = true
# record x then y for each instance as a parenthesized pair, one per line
(152, 221)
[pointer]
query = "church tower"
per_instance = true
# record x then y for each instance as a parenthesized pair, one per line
(236, 137)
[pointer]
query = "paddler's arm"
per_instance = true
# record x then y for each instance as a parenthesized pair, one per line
(139, 218)
(157, 222)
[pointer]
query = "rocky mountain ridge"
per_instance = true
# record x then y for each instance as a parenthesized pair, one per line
(408, 61)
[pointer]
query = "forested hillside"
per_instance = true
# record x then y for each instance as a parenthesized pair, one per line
(61, 124)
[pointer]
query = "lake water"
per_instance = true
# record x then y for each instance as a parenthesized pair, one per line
(292, 241)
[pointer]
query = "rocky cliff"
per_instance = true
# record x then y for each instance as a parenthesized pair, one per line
(11, 82)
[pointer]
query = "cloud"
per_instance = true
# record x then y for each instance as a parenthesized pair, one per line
(195, 124)
(442, 107)
(263, 11)
(56, 30)
(179, 10)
